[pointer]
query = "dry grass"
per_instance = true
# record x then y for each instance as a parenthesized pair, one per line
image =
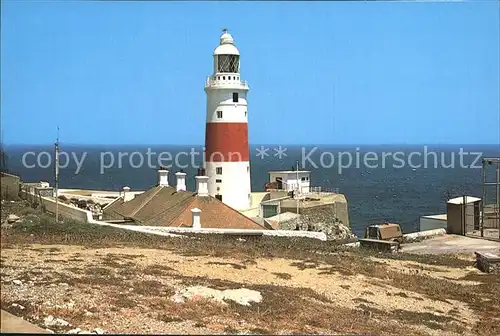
(131, 285)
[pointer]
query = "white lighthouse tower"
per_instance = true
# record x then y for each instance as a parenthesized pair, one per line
(226, 138)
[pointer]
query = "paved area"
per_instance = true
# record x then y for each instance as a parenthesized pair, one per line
(452, 244)
(13, 324)
(488, 233)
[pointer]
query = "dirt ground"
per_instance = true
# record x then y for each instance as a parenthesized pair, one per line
(124, 283)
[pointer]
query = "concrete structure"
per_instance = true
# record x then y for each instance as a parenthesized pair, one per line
(17, 325)
(463, 214)
(65, 210)
(227, 160)
(180, 184)
(291, 180)
(163, 177)
(432, 222)
(326, 203)
(127, 195)
(451, 244)
(196, 224)
(9, 186)
(39, 188)
(202, 185)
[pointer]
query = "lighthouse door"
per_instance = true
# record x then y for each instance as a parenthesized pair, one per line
(219, 197)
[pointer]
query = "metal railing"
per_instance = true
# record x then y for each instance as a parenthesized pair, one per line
(323, 191)
(216, 82)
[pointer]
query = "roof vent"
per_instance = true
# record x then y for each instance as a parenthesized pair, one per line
(163, 177)
(201, 185)
(196, 223)
(181, 181)
(127, 195)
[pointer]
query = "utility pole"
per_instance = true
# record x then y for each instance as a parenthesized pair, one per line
(57, 175)
(297, 199)
(497, 212)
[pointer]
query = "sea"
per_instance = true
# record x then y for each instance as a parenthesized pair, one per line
(395, 183)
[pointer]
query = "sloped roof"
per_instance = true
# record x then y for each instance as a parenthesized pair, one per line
(164, 206)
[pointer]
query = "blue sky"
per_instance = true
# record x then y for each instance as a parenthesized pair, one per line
(322, 72)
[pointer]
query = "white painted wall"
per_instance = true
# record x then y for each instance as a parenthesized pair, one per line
(430, 223)
(234, 185)
(290, 180)
(221, 99)
(180, 183)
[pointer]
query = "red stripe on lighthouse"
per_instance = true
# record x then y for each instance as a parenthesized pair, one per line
(226, 142)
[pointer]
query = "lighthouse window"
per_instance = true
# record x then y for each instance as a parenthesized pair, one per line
(224, 77)
(218, 170)
(235, 97)
(228, 63)
(245, 113)
(218, 181)
(219, 114)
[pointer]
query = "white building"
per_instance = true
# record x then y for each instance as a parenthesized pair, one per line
(433, 222)
(291, 180)
(227, 160)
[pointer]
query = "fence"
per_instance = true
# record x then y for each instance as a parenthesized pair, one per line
(323, 191)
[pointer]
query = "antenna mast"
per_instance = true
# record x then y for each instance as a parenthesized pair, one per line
(57, 175)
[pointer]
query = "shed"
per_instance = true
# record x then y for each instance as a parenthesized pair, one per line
(463, 214)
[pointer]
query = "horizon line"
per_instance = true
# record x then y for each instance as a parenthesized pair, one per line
(255, 144)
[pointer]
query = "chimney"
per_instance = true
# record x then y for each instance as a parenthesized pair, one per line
(201, 185)
(163, 177)
(181, 181)
(127, 195)
(196, 218)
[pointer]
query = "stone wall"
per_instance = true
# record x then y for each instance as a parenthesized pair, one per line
(9, 186)
(488, 263)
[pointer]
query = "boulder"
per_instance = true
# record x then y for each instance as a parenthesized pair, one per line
(51, 321)
(243, 296)
(12, 218)
(327, 223)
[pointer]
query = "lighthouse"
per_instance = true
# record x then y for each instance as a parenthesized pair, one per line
(227, 161)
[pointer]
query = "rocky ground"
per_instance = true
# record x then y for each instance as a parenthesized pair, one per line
(321, 220)
(69, 277)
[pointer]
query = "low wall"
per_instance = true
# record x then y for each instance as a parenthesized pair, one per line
(433, 222)
(238, 232)
(67, 211)
(410, 237)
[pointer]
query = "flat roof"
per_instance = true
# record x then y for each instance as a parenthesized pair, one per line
(289, 171)
(440, 217)
(460, 200)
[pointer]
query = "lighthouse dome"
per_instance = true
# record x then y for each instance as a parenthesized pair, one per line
(226, 46)
(226, 38)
